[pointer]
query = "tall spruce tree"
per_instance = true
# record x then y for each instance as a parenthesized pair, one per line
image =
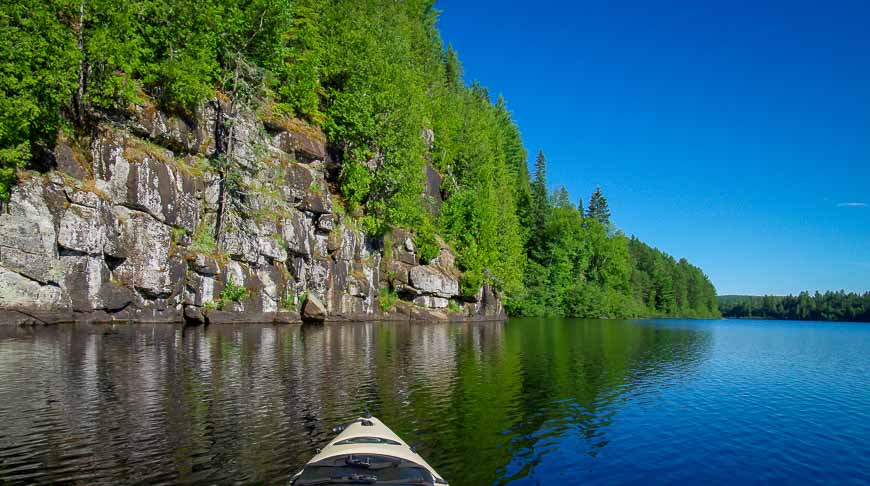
(452, 68)
(540, 202)
(539, 185)
(598, 209)
(561, 198)
(540, 207)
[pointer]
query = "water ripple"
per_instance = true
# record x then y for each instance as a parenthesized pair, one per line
(526, 402)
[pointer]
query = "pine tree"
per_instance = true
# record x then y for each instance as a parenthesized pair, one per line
(539, 190)
(561, 198)
(598, 209)
(540, 181)
(540, 203)
(452, 68)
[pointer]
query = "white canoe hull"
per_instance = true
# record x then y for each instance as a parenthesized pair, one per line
(365, 439)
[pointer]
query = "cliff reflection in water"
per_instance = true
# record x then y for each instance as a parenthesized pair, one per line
(484, 402)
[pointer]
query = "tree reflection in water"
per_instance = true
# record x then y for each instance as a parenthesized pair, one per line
(484, 402)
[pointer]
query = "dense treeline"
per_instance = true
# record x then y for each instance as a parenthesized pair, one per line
(579, 265)
(375, 75)
(830, 306)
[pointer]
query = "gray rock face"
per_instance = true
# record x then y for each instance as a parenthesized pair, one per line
(147, 264)
(67, 160)
(172, 131)
(19, 291)
(313, 310)
(490, 304)
(272, 288)
(125, 229)
(298, 233)
(326, 223)
(241, 240)
(84, 279)
(297, 137)
(27, 235)
(81, 229)
(431, 302)
(433, 189)
(30, 270)
(430, 280)
(139, 176)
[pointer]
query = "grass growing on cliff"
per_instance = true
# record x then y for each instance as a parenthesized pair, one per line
(288, 302)
(387, 299)
(203, 240)
(178, 235)
(454, 307)
(232, 292)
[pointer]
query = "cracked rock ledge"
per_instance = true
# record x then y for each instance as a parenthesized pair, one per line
(122, 229)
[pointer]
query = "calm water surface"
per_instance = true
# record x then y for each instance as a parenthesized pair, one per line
(522, 402)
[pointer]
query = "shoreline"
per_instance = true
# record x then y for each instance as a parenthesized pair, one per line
(21, 317)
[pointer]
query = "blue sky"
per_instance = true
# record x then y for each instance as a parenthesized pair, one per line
(733, 133)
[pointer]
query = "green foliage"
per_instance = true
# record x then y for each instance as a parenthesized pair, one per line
(300, 90)
(387, 299)
(203, 240)
(598, 209)
(452, 69)
(38, 62)
(11, 159)
(374, 98)
(288, 302)
(372, 225)
(356, 183)
(471, 280)
(579, 267)
(178, 234)
(479, 217)
(61, 59)
(539, 203)
(426, 244)
(830, 306)
(233, 292)
(180, 52)
(454, 307)
(389, 241)
(668, 287)
(373, 74)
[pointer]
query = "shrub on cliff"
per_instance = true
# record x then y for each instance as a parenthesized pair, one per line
(37, 56)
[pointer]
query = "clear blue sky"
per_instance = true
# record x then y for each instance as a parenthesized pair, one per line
(733, 133)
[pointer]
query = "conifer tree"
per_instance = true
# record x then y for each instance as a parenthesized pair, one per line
(539, 208)
(598, 209)
(452, 68)
(562, 199)
(540, 203)
(539, 185)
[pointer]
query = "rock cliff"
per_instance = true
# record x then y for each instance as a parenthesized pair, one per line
(152, 217)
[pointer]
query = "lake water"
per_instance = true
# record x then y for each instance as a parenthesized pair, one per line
(521, 402)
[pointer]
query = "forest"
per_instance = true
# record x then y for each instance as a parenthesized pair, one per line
(830, 306)
(375, 75)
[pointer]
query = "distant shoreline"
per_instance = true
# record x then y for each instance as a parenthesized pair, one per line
(838, 306)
